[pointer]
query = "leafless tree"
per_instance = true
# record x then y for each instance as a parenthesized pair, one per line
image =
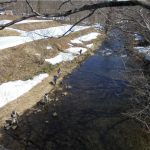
(89, 6)
(133, 15)
(137, 92)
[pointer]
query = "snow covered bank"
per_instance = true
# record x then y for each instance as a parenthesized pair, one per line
(77, 49)
(24, 21)
(144, 50)
(12, 90)
(11, 41)
(68, 56)
(89, 45)
(138, 37)
(61, 57)
(25, 36)
(87, 37)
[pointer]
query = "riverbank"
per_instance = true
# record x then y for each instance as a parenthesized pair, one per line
(36, 94)
(89, 117)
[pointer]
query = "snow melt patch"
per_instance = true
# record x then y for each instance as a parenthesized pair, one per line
(87, 37)
(76, 50)
(49, 47)
(70, 44)
(37, 54)
(25, 36)
(138, 37)
(10, 41)
(144, 50)
(24, 21)
(89, 45)
(13, 89)
(61, 57)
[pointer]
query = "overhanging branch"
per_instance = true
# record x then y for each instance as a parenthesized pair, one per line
(84, 8)
(17, 20)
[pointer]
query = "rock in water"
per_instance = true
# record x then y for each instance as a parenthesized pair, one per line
(68, 87)
(39, 110)
(14, 127)
(57, 99)
(7, 126)
(54, 114)
(64, 93)
(46, 121)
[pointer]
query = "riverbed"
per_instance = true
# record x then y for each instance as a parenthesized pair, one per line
(90, 116)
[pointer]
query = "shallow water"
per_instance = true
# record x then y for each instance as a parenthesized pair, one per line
(89, 117)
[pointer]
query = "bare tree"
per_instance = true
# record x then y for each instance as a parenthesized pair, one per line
(91, 6)
(137, 93)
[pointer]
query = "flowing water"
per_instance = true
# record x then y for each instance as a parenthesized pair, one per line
(89, 117)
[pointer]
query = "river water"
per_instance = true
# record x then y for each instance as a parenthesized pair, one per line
(89, 117)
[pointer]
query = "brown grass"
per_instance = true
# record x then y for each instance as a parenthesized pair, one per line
(35, 25)
(29, 26)
(17, 64)
(36, 94)
(7, 32)
(13, 17)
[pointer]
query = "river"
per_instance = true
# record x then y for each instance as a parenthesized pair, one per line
(89, 117)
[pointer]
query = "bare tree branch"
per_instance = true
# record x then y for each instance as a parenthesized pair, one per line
(76, 10)
(7, 2)
(38, 14)
(80, 21)
(65, 3)
(17, 20)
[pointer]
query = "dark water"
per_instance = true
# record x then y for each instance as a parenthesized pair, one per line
(89, 117)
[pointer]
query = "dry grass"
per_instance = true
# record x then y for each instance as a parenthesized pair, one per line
(7, 32)
(13, 17)
(17, 63)
(30, 26)
(35, 25)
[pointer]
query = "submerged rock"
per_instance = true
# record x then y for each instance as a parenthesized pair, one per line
(59, 89)
(54, 114)
(7, 126)
(64, 93)
(68, 87)
(14, 127)
(57, 99)
(46, 121)
(39, 110)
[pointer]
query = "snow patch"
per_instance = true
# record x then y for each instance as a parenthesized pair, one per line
(76, 50)
(49, 47)
(13, 89)
(61, 57)
(87, 37)
(89, 45)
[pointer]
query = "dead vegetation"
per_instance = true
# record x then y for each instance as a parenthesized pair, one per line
(35, 25)
(13, 17)
(17, 63)
(7, 32)
(137, 93)
(21, 63)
